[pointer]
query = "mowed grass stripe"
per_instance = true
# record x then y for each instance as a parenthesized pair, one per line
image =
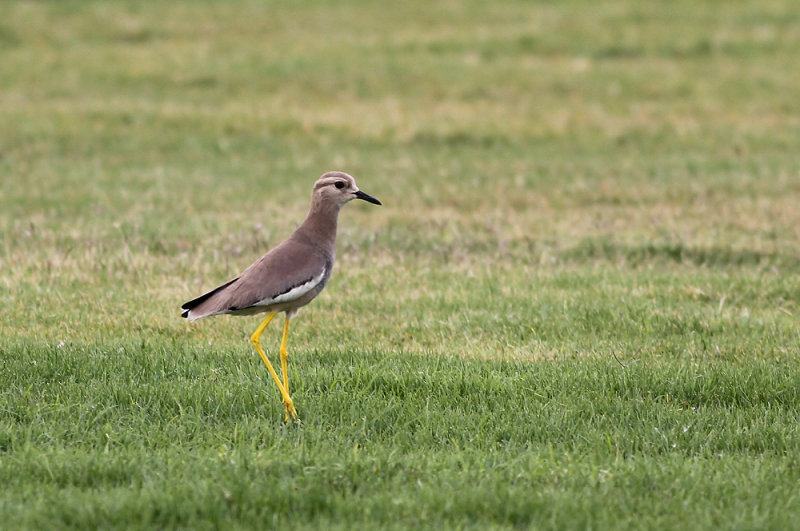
(142, 381)
(538, 437)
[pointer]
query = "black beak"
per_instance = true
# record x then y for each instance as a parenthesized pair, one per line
(368, 198)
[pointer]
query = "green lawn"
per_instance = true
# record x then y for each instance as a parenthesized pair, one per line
(577, 308)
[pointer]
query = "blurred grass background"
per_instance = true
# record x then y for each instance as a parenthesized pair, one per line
(563, 183)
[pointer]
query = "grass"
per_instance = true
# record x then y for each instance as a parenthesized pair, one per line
(578, 307)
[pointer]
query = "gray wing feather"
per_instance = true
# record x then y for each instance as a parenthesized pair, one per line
(288, 266)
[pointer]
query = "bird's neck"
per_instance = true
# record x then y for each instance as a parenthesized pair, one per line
(321, 222)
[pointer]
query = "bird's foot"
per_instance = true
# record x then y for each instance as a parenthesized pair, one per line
(291, 412)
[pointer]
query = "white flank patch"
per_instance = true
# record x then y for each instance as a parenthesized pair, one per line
(296, 292)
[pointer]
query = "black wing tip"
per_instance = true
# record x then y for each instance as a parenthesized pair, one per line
(194, 303)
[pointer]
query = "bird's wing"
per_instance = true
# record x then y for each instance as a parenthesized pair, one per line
(286, 273)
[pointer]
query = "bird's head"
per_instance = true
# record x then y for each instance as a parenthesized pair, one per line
(337, 188)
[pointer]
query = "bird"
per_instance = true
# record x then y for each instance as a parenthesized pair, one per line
(287, 277)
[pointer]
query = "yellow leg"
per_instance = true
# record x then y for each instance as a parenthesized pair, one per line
(285, 354)
(256, 340)
(285, 359)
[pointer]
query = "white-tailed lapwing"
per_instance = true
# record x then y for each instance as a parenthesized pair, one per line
(289, 276)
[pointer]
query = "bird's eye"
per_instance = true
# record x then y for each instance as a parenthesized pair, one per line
(339, 184)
